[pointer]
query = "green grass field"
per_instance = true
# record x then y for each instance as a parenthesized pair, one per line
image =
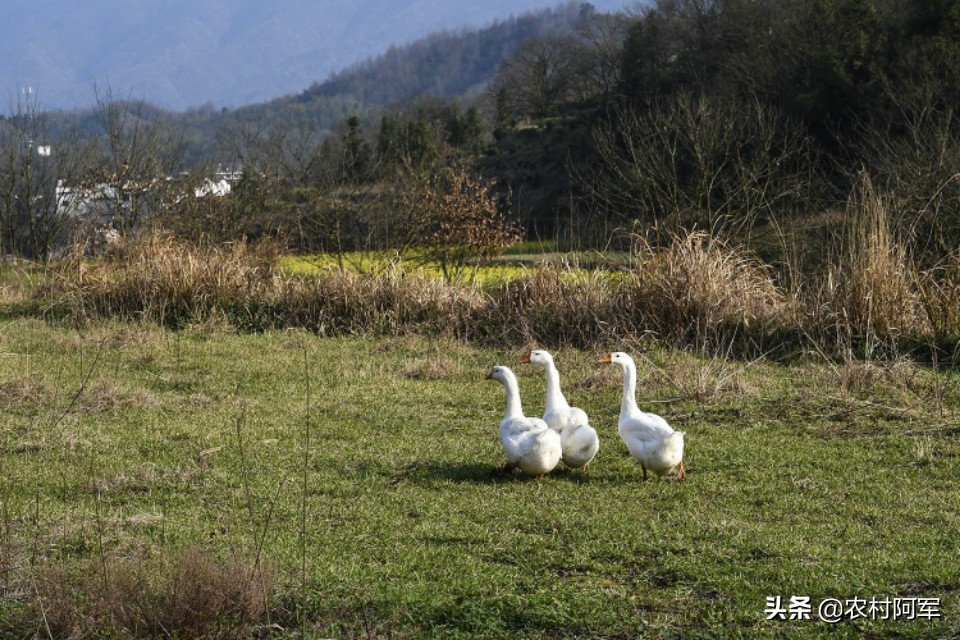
(128, 444)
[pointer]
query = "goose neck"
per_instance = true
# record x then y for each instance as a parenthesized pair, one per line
(555, 399)
(629, 403)
(514, 409)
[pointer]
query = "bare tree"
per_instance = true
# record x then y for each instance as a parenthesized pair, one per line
(602, 36)
(139, 154)
(541, 75)
(32, 165)
(706, 161)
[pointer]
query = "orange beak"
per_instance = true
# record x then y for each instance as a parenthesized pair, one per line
(604, 359)
(489, 375)
(525, 360)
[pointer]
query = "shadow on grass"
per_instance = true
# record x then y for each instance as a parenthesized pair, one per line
(480, 473)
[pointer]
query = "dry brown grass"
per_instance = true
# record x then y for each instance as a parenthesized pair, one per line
(553, 306)
(706, 377)
(30, 391)
(939, 292)
(699, 285)
(695, 284)
(160, 278)
(870, 291)
(696, 291)
(857, 376)
(195, 595)
(393, 303)
(102, 397)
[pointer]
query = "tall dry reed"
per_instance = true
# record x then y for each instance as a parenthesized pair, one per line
(870, 291)
(939, 292)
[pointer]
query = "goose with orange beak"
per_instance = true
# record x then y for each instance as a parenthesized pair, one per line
(529, 443)
(578, 439)
(649, 439)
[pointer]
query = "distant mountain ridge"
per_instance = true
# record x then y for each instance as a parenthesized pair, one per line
(183, 53)
(445, 64)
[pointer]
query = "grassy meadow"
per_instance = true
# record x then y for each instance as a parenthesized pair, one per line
(204, 482)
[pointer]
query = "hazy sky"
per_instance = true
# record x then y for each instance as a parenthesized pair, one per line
(182, 53)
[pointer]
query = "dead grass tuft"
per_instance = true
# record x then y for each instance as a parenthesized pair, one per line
(103, 397)
(159, 278)
(599, 378)
(939, 293)
(870, 292)
(193, 596)
(432, 368)
(705, 379)
(392, 303)
(29, 391)
(699, 285)
(856, 376)
(554, 305)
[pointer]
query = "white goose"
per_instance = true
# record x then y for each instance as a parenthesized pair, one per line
(577, 438)
(650, 440)
(529, 443)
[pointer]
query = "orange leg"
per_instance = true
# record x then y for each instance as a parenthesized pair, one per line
(681, 474)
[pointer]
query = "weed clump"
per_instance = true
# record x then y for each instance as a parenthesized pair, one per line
(159, 278)
(870, 292)
(195, 596)
(699, 286)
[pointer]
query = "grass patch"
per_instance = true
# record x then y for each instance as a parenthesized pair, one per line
(360, 475)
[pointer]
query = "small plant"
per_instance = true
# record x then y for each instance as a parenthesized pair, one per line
(924, 449)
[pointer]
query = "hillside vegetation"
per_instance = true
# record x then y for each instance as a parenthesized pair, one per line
(752, 120)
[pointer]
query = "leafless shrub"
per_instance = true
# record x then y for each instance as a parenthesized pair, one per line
(715, 162)
(457, 219)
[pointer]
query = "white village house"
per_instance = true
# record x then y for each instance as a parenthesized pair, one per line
(99, 202)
